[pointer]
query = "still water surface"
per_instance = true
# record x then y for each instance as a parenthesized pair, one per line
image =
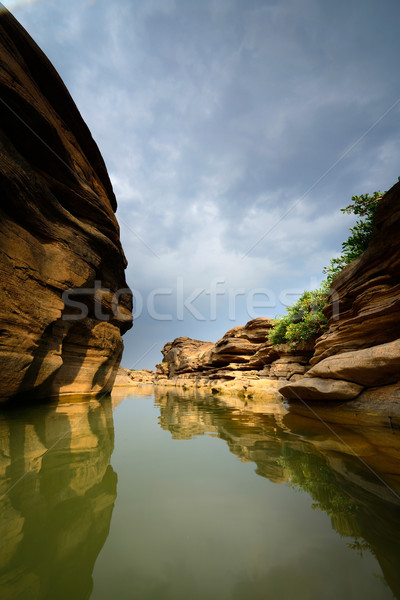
(172, 497)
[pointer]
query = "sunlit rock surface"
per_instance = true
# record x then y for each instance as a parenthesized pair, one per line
(242, 361)
(128, 377)
(57, 492)
(57, 231)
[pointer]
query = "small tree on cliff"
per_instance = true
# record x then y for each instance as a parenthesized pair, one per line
(364, 206)
(305, 319)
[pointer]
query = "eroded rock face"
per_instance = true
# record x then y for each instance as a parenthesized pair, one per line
(243, 360)
(183, 355)
(243, 348)
(362, 344)
(58, 232)
(129, 377)
(379, 365)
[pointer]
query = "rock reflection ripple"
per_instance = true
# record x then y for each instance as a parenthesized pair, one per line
(57, 493)
(360, 496)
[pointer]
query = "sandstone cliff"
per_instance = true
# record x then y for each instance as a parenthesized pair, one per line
(58, 232)
(361, 349)
(241, 357)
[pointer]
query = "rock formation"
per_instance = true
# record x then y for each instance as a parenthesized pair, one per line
(183, 355)
(361, 349)
(358, 357)
(240, 349)
(240, 359)
(128, 377)
(58, 232)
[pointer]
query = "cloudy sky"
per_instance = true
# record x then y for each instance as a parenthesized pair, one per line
(233, 132)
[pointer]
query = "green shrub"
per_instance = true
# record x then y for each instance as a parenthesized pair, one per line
(304, 320)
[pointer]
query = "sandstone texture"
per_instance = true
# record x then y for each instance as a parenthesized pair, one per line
(58, 232)
(314, 388)
(183, 355)
(236, 350)
(379, 365)
(128, 377)
(243, 360)
(243, 348)
(362, 344)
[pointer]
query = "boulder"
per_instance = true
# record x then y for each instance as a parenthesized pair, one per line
(314, 388)
(379, 365)
(64, 302)
(184, 355)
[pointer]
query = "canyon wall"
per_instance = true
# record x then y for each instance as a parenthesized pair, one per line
(58, 232)
(359, 355)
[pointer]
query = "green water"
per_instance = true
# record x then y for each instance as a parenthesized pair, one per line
(172, 497)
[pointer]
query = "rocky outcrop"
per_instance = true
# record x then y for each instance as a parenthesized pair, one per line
(362, 345)
(291, 364)
(183, 355)
(128, 377)
(242, 360)
(314, 388)
(241, 348)
(58, 232)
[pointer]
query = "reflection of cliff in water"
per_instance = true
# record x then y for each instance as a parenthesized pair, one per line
(308, 455)
(57, 492)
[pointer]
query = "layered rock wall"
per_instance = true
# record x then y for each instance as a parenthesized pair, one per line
(361, 349)
(58, 232)
(242, 355)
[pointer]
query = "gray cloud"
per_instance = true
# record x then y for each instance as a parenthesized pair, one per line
(214, 119)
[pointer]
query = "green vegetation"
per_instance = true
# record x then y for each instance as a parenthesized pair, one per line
(305, 319)
(365, 206)
(311, 472)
